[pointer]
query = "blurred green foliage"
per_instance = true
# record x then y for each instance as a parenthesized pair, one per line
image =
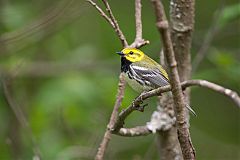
(229, 13)
(65, 74)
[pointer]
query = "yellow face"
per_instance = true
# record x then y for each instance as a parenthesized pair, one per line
(132, 54)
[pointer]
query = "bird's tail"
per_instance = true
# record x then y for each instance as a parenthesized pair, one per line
(187, 106)
(190, 109)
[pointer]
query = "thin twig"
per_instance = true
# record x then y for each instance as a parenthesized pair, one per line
(121, 85)
(139, 41)
(111, 20)
(117, 28)
(138, 18)
(120, 95)
(215, 87)
(101, 13)
(107, 135)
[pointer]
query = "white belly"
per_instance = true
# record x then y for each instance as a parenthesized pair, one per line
(135, 85)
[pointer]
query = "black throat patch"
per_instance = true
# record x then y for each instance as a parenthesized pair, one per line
(125, 64)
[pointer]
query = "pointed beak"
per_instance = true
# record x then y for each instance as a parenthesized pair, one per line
(120, 53)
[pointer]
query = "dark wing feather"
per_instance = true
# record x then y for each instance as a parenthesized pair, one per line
(153, 76)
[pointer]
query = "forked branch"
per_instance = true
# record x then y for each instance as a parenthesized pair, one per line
(111, 20)
(143, 130)
(139, 41)
(102, 13)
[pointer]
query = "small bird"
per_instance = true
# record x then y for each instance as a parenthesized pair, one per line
(142, 73)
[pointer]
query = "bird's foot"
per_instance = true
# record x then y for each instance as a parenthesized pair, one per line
(139, 100)
(140, 107)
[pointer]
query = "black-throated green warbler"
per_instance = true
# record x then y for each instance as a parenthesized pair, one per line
(141, 72)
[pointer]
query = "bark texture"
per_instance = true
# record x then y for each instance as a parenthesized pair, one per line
(182, 15)
(182, 23)
(179, 100)
(169, 147)
(181, 26)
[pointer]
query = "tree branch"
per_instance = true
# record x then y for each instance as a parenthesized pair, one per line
(101, 13)
(138, 18)
(136, 44)
(121, 83)
(134, 132)
(141, 130)
(117, 28)
(111, 20)
(217, 88)
(167, 140)
(139, 41)
(182, 24)
(135, 104)
(183, 131)
(107, 135)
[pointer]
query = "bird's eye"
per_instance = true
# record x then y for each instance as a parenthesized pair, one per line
(131, 52)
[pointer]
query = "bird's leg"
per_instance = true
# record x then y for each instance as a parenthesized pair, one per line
(141, 96)
(139, 107)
